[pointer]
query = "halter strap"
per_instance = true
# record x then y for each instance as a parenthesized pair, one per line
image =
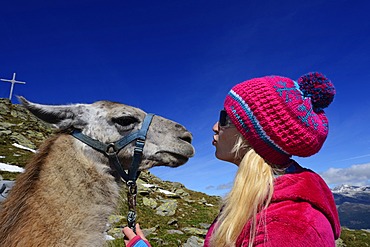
(117, 145)
(111, 150)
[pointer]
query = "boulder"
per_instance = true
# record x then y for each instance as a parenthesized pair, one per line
(193, 241)
(175, 232)
(22, 140)
(168, 208)
(195, 231)
(149, 202)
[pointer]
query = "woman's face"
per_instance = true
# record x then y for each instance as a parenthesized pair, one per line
(224, 140)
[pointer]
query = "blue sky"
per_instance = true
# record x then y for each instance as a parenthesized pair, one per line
(179, 59)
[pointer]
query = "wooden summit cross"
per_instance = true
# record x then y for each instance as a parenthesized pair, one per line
(12, 81)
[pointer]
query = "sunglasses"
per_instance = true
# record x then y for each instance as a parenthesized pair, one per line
(224, 119)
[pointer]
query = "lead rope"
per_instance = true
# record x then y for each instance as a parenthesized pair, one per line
(131, 200)
(131, 184)
(130, 177)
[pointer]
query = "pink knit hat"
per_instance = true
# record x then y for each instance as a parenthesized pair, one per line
(280, 117)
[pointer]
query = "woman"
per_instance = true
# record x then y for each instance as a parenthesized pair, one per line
(274, 201)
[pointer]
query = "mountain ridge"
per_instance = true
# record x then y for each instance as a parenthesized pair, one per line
(350, 188)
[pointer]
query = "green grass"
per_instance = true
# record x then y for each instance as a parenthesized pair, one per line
(355, 238)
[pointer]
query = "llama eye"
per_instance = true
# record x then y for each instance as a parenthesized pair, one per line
(125, 121)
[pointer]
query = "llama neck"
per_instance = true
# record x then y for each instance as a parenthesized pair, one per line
(69, 200)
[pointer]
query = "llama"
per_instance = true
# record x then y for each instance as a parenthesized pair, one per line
(68, 189)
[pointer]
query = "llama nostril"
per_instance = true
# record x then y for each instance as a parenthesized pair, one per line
(187, 137)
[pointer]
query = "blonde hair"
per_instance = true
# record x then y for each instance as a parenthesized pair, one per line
(251, 193)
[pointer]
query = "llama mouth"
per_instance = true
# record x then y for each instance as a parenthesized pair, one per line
(180, 159)
(171, 158)
(179, 151)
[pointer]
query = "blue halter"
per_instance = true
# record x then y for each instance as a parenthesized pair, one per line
(111, 150)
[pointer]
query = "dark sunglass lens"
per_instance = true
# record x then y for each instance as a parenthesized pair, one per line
(222, 120)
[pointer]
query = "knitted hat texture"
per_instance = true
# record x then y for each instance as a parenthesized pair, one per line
(280, 117)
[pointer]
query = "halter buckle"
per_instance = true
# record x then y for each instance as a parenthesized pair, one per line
(132, 187)
(111, 149)
(139, 146)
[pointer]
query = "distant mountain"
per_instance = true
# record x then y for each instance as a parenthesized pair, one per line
(350, 188)
(353, 203)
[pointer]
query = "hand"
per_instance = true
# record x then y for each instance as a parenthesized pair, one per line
(130, 233)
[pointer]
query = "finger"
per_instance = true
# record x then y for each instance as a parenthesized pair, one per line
(140, 232)
(128, 233)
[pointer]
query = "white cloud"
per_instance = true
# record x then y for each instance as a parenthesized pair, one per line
(226, 186)
(353, 175)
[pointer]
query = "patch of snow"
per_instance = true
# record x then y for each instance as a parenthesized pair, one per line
(2, 157)
(23, 147)
(166, 192)
(209, 205)
(160, 190)
(149, 185)
(10, 168)
(108, 237)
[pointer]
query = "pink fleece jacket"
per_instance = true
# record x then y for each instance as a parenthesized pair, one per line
(302, 213)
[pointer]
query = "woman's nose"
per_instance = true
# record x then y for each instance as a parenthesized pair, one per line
(215, 127)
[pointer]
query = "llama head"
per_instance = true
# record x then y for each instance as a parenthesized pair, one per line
(167, 144)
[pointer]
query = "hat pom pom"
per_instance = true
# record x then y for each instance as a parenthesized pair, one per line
(319, 88)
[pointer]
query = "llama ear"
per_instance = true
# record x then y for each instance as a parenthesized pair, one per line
(62, 116)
